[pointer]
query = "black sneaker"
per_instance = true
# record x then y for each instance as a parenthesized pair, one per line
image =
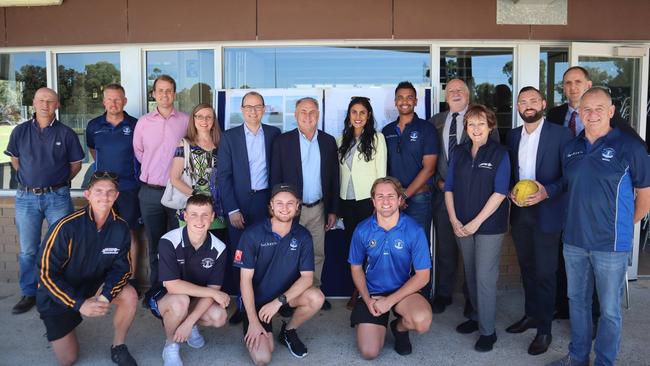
(24, 305)
(286, 311)
(485, 343)
(236, 317)
(467, 327)
(326, 305)
(402, 341)
(121, 356)
(439, 304)
(289, 338)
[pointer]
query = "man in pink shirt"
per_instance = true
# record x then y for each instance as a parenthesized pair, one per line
(154, 141)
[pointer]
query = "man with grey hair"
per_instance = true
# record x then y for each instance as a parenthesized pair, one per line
(46, 155)
(307, 158)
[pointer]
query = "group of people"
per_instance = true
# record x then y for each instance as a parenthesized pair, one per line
(260, 202)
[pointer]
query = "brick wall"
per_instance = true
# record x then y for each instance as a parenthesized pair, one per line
(509, 277)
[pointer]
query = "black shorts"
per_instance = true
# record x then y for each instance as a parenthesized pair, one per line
(361, 314)
(59, 325)
(128, 207)
(267, 326)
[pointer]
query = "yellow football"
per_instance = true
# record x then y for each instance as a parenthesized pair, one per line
(523, 189)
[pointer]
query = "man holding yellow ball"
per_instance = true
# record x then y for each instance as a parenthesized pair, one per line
(537, 214)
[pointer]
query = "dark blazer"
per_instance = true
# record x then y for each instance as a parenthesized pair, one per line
(551, 212)
(233, 173)
(286, 166)
(557, 115)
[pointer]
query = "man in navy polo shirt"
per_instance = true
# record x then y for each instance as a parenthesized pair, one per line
(413, 147)
(276, 257)
(384, 248)
(607, 173)
(192, 263)
(47, 155)
(110, 142)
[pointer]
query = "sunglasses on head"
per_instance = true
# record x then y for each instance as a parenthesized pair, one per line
(104, 175)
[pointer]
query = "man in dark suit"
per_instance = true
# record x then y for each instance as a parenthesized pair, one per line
(537, 221)
(243, 174)
(451, 132)
(306, 158)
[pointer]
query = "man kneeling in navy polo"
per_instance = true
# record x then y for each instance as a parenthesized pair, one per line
(191, 267)
(84, 267)
(384, 248)
(276, 257)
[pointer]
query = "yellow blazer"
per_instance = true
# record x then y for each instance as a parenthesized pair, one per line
(363, 173)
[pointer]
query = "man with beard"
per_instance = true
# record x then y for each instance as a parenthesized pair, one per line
(535, 154)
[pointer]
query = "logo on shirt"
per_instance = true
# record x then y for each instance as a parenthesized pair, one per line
(180, 261)
(268, 243)
(293, 244)
(413, 135)
(607, 153)
(399, 244)
(110, 251)
(238, 255)
(372, 243)
(58, 143)
(207, 263)
(486, 165)
(572, 154)
(126, 131)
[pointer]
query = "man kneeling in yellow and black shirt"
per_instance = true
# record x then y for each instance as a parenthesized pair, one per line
(84, 267)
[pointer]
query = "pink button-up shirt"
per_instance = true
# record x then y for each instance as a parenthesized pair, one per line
(154, 142)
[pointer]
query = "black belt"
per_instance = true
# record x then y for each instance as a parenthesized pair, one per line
(43, 190)
(310, 205)
(253, 191)
(153, 186)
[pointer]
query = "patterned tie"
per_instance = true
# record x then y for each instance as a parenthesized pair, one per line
(453, 141)
(572, 123)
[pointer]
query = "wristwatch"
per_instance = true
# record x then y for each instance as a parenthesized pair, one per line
(283, 299)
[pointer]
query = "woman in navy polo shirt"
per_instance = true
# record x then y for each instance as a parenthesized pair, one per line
(475, 192)
(203, 135)
(362, 159)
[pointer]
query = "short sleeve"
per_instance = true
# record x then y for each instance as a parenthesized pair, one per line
(640, 166)
(75, 152)
(218, 270)
(90, 135)
(357, 249)
(420, 250)
(12, 146)
(431, 140)
(246, 253)
(168, 269)
(502, 177)
(179, 152)
(306, 254)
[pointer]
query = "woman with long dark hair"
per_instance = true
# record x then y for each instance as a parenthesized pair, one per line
(362, 159)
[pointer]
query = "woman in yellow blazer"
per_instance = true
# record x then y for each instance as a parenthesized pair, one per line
(362, 159)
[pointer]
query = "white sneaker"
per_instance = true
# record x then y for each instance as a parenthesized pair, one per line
(195, 340)
(171, 355)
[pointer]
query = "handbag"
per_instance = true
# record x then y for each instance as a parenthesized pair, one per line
(172, 197)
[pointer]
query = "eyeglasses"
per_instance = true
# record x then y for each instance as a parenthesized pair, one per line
(250, 108)
(104, 175)
(198, 117)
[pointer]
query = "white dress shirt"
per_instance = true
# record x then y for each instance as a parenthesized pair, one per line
(460, 127)
(528, 152)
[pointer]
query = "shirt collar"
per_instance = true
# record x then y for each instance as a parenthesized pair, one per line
(248, 132)
(207, 243)
(400, 223)
(302, 135)
(537, 131)
(112, 216)
(269, 228)
(36, 122)
(156, 112)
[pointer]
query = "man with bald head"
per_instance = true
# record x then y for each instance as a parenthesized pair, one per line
(46, 155)
(607, 178)
(451, 133)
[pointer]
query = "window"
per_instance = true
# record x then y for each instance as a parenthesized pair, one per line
(325, 67)
(193, 71)
(488, 74)
(553, 62)
(21, 74)
(81, 78)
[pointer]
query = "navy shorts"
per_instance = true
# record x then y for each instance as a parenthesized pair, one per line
(128, 207)
(267, 326)
(59, 325)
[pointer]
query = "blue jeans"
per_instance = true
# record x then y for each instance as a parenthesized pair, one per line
(419, 208)
(31, 209)
(607, 269)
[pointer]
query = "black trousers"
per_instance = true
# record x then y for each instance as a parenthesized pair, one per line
(538, 261)
(353, 212)
(447, 253)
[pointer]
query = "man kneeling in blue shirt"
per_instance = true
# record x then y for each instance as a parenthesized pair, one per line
(276, 257)
(191, 266)
(384, 248)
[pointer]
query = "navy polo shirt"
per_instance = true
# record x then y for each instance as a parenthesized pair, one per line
(44, 156)
(389, 255)
(114, 147)
(407, 148)
(277, 261)
(178, 260)
(600, 181)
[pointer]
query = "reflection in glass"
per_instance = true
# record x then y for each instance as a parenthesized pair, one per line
(193, 71)
(488, 74)
(622, 76)
(317, 67)
(21, 74)
(553, 62)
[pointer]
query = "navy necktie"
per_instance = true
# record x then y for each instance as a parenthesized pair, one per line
(453, 140)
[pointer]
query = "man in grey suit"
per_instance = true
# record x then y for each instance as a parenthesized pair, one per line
(451, 132)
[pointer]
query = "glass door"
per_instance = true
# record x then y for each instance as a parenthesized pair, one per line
(624, 70)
